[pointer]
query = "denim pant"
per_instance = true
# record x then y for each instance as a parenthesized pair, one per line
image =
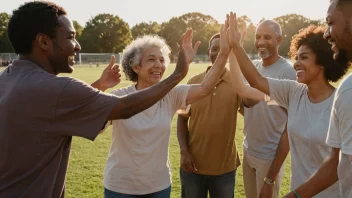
(160, 194)
(198, 186)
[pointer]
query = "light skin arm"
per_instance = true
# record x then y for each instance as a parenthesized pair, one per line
(324, 177)
(280, 156)
(238, 84)
(132, 104)
(199, 91)
(254, 78)
(187, 162)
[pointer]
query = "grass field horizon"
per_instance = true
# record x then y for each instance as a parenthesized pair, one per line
(87, 160)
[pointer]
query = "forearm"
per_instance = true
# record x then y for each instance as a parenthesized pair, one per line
(98, 85)
(213, 76)
(324, 177)
(238, 84)
(249, 71)
(182, 131)
(132, 104)
(249, 103)
(280, 156)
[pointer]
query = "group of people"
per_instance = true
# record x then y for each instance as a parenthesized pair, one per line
(285, 107)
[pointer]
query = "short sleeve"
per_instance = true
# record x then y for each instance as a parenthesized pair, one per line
(82, 110)
(340, 129)
(179, 96)
(187, 112)
(280, 90)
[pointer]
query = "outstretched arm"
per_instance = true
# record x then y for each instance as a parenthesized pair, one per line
(242, 89)
(254, 78)
(198, 91)
(132, 104)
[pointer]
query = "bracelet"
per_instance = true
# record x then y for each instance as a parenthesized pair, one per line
(296, 194)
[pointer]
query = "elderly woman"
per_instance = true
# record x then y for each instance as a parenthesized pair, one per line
(308, 102)
(138, 163)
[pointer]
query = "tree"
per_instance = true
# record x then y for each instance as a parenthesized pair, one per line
(145, 28)
(5, 44)
(171, 32)
(78, 29)
(290, 25)
(204, 27)
(105, 33)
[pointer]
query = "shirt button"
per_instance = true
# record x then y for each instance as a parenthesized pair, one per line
(214, 94)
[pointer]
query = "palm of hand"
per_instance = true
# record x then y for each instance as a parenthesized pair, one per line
(189, 52)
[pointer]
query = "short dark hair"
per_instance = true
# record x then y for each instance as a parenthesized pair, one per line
(217, 35)
(30, 19)
(343, 2)
(312, 37)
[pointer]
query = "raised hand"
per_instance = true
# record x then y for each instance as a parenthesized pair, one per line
(234, 36)
(224, 43)
(186, 45)
(111, 75)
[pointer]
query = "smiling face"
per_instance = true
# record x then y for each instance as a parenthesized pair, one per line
(266, 41)
(307, 70)
(339, 31)
(214, 49)
(151, 68)
(63, 47)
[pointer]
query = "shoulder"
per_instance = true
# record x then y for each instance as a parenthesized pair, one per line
(124, 90)
(197, 78)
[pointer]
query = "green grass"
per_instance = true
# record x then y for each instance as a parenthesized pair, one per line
(87, 161)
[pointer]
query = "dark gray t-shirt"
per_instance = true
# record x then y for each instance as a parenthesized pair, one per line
(39, 114)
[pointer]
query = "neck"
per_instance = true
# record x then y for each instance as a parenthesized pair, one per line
(40, 62)
(142, 85)
(270, 60)
(319, 90)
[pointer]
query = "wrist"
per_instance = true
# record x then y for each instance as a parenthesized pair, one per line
(184, 150)
(224, 52)
(269, 181)
(296, 194)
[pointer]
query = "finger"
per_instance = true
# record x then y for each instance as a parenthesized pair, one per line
(243, 35)
(112, 62)
(196, 46)
(222, 30)
(194, 167)
(191, 36)
(182, 38)
(227, 21)
(188, 36)
(235, 21)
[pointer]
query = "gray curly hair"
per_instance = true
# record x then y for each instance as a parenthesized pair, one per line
(133, 53)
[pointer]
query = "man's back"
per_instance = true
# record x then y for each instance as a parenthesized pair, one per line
(36, 134)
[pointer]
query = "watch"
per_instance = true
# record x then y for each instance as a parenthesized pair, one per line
(269, 181)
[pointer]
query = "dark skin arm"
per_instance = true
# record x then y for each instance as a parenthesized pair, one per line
(323, 178)
(187, 162)
(280, 156)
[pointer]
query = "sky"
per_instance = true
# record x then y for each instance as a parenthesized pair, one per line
(137, 11)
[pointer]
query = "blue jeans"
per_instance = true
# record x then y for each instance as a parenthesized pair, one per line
(160, 194)
(198, 186)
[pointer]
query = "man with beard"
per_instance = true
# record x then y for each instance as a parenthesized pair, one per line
(40, 111)
(337, 166)
(265, 125)
(209, 158)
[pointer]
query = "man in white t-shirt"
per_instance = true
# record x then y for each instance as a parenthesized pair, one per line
(337, 166)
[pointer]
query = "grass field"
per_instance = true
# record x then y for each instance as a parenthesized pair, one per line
(87, 161)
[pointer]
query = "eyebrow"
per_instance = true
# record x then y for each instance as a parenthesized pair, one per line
(304, 53)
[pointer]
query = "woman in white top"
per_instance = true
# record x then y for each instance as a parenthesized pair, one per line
(308, 102)
(138, 162)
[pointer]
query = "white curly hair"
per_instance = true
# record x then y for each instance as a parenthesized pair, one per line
(132, 54)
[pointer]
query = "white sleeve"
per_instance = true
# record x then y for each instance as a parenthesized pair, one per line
(340, 129)
(280, 90)
(179, 96)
